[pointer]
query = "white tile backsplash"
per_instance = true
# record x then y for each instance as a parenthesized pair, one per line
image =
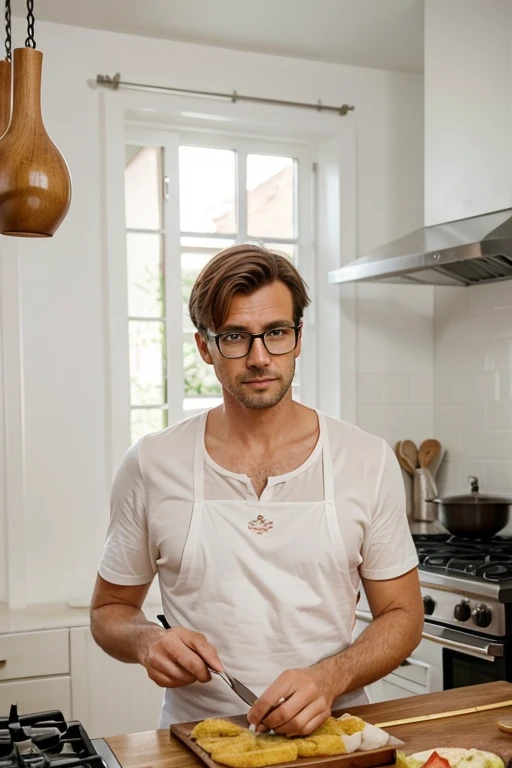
(438, 363)
(499, 415)
(395, 382)
(384, 388)
(473, 385)
(422, 388)
(499, 474)
(499, 324)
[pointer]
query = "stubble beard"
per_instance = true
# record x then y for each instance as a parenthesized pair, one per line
(260, 400)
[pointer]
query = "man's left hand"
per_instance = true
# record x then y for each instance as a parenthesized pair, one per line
(308, 700)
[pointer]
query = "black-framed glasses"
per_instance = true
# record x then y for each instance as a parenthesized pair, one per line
(277, 341)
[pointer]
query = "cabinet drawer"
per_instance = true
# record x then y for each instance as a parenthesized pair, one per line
(33, 654)
(391, 691)
(413, 671)
(37, 695)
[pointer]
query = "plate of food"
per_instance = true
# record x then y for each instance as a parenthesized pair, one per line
(347, 741)
(450, 757)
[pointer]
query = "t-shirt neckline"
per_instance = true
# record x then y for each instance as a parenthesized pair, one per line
(272, 479)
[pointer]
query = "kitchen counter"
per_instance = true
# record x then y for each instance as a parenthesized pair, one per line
(154, 749)
(52, 616)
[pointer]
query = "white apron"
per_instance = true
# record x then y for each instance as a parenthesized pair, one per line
(268, 583)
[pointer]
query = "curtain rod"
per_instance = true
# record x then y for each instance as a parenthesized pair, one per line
(115, 83)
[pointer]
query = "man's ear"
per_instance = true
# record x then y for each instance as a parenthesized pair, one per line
(298, 348)
(202, 346)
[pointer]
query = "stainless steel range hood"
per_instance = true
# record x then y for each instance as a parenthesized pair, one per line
(460, 253)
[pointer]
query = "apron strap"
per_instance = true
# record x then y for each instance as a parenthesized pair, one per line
(326, 460)
(199, 458)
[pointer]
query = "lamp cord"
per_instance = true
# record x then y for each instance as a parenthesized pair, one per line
(30, 42)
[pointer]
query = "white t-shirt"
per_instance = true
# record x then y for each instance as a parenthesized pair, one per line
(152, 498)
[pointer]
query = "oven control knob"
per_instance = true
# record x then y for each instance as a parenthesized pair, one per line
(462, 611)
(482, 616)
(429, 605)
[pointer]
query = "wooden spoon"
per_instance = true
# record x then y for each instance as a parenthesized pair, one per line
(505, 725)
(408, 460)
(410, 452)
(429, 449)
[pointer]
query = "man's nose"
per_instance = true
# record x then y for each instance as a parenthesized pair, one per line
(258, 356)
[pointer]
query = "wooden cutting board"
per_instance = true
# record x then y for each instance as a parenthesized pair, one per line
(385, 756)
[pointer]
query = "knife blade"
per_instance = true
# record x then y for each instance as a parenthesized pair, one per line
(241, 690)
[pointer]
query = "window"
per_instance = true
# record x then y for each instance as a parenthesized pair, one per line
(186, 198)
(146, 305)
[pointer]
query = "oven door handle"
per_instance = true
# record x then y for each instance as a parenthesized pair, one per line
(459, 641)
(451, 638)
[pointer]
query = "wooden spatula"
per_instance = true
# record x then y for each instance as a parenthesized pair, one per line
(428, 451)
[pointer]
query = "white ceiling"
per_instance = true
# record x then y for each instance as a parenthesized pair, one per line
(386, 34)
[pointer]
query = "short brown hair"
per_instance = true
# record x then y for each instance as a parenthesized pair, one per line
(241, 269)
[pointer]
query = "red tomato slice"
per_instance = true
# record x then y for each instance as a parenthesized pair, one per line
(436, 761)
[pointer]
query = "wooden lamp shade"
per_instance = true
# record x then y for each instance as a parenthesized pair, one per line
(35, 184)
(5, 95)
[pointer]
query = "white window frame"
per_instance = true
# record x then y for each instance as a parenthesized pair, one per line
(170, 141)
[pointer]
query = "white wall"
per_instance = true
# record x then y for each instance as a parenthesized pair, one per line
(67, 476)
(468, 53)
(467, 108)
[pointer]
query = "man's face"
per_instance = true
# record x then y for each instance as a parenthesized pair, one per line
(259, 380)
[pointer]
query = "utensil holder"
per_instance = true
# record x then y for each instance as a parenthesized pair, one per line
(422, 489)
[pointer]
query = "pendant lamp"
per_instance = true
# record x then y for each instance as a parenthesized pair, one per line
(5, 74)
(35, 185)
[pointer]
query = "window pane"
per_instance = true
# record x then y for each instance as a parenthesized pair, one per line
(207, 190)
(285, 249)
(200, 378)
(146, 420)
(147, 344)
(143, 187)
(271, 193)
(145, 275)
(216, 243)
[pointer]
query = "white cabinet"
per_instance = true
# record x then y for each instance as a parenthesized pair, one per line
(34, 671)
(37, 695)
(34, 654)
(108, 696)
(412, 678)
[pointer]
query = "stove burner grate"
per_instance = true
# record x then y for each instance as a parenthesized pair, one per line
(489, 560)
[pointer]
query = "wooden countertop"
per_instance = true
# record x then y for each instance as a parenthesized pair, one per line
(156, 749)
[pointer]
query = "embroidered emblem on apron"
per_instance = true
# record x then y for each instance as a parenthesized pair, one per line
(260, 525)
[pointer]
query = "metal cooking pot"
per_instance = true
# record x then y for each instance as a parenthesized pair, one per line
(473, 515)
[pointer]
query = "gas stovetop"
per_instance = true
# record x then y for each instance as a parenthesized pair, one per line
(488, 561)
(45, 739)
(466, 583)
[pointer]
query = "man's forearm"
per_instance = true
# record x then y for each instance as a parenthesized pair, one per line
(380, 649)
(124, 632)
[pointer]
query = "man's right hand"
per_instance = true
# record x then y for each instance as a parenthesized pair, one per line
(180, 657)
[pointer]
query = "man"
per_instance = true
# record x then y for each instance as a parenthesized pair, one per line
(261, 517)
